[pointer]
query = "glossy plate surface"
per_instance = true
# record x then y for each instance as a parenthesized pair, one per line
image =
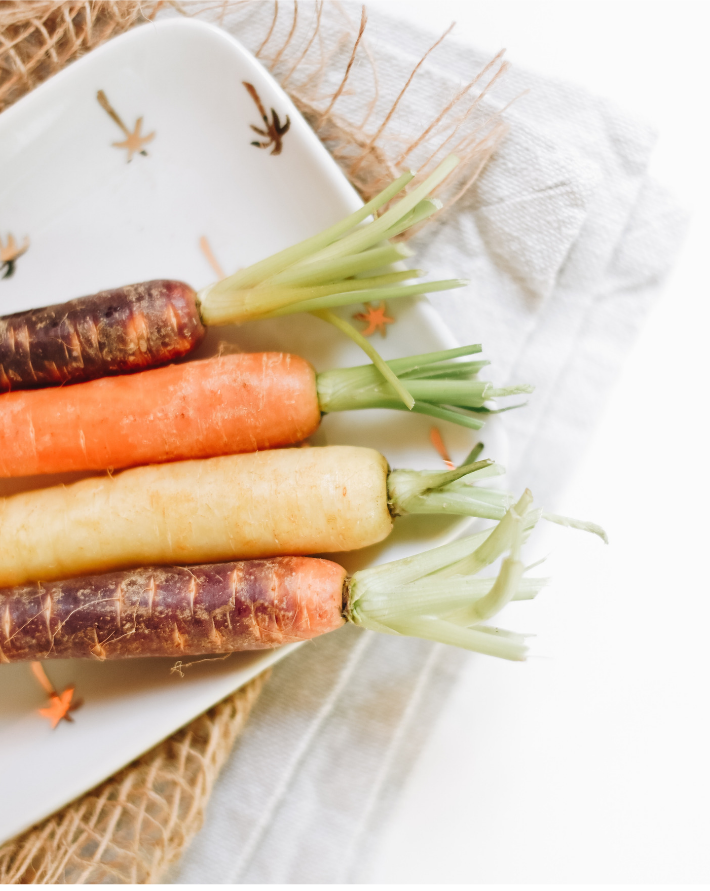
(91, 220)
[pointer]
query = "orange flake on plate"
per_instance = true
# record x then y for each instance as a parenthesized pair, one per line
(438, 442)
(9, 253)
(210, 257)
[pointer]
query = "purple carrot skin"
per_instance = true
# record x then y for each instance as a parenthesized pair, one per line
(173, 611)
(122, 330)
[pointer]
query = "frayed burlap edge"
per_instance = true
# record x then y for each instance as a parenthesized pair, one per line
(39, 38)
(133, 826)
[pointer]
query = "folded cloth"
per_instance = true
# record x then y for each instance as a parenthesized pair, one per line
(566, 242)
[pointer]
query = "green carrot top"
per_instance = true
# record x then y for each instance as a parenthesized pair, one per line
(336, 267)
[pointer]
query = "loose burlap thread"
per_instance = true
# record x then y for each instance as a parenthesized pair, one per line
(132, 827)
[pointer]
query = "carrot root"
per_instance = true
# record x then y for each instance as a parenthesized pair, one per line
(125, 329)
(236, 403)
(263, 504)
(218, 406)
(173, 611)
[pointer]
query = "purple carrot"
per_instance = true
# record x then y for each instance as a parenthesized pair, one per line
(126, 329)
(173, 611)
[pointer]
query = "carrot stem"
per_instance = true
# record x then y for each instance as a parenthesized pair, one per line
(363, 294)
(327, 316)
(440, 387)
(331, 256)
(271, 266)
(267, 302)
(421, 212)
(418, 596)
(344, 267)
(459, 496)
(367, 236)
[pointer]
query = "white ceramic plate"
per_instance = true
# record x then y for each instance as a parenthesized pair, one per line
(95, 221)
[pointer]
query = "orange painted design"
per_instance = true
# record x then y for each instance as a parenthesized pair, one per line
(134, 143)
(375, 318)
(210, 257)
(438, 443)
(60, 704)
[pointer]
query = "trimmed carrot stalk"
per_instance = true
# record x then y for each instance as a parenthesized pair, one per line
(173, 611)
(122, 330)
(220, 406)
(257, 604)
(262, 504)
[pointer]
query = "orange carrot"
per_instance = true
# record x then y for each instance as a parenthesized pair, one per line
(219, 406)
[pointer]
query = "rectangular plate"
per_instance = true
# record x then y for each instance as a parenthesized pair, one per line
(94, 221)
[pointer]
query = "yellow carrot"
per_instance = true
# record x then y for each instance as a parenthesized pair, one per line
(263, 504)
(290, 501)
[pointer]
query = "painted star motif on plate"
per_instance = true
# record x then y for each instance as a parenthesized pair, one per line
(9, 253)
(134, 142)
(60, 706)
(273, 130)
(375, 318)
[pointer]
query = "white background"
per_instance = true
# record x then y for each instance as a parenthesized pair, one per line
(590, 764)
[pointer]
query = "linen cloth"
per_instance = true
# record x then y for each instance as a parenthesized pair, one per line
(566, 241)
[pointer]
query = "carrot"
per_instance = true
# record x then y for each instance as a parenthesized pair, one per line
(173, 610)
(150, 324)
(219, 406)
(263, 504)
(257, 604)
(122, 330)
(199, 409)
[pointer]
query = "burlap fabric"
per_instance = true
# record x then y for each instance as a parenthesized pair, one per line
(132, 827)
(40, 37)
